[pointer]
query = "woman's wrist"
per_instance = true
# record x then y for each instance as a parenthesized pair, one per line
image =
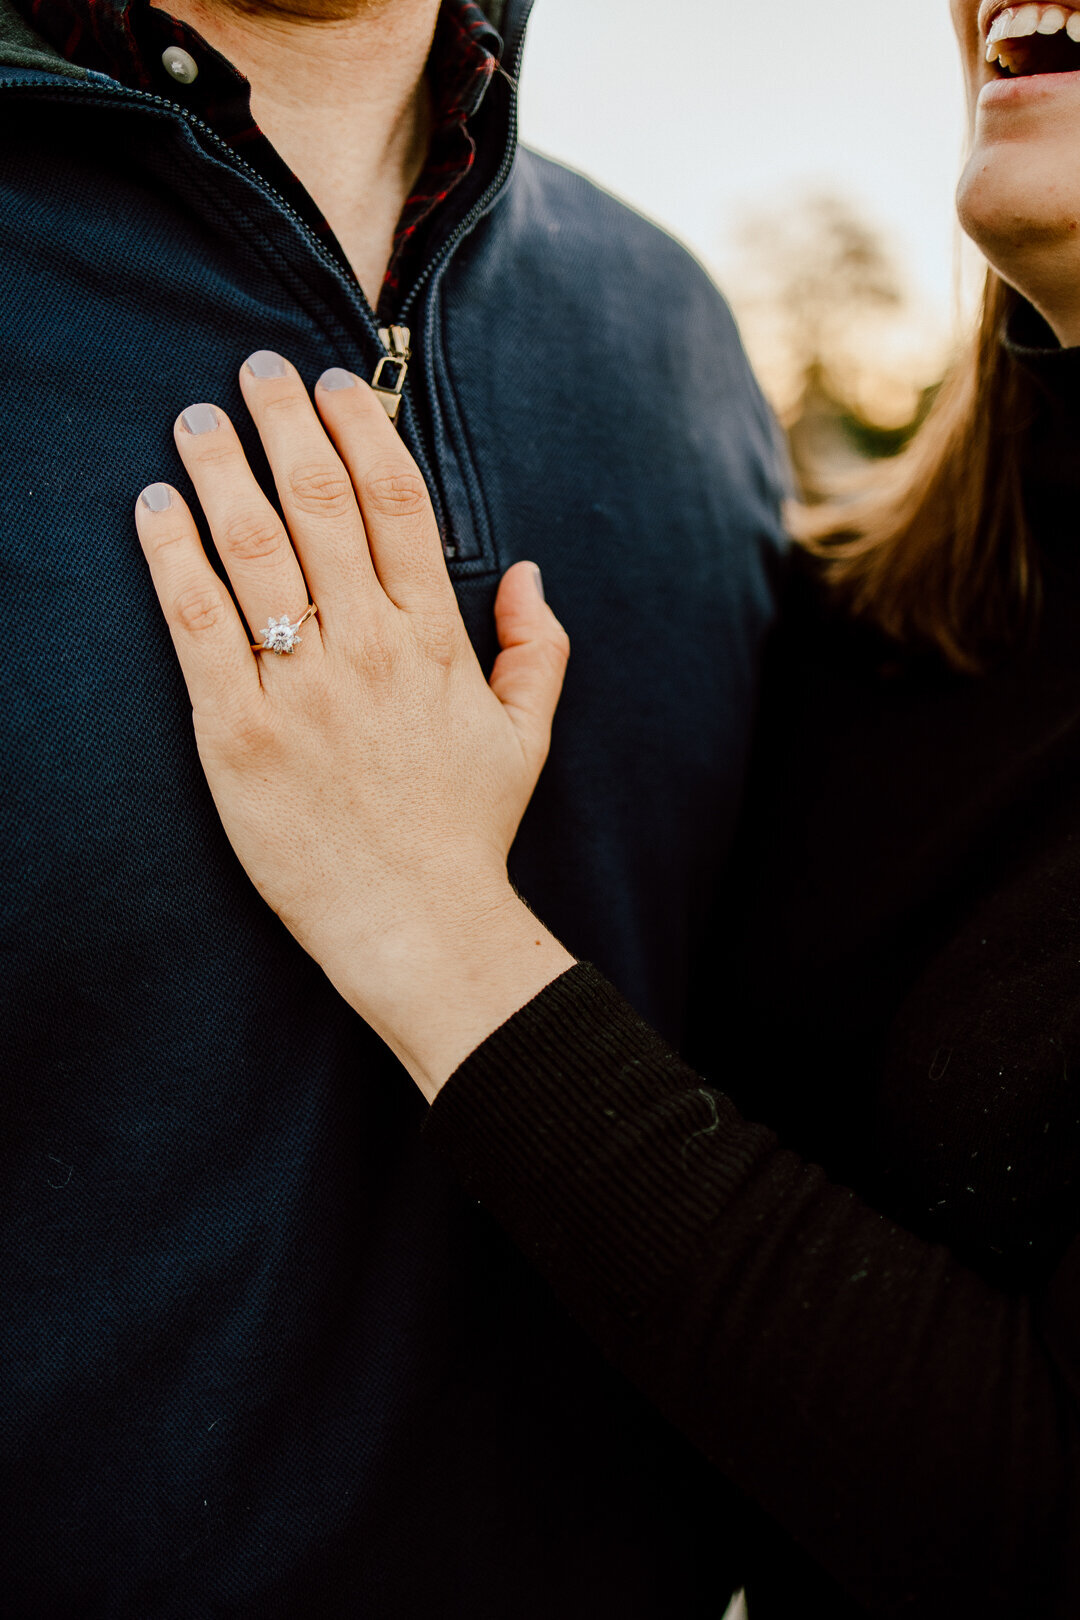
(449, 976)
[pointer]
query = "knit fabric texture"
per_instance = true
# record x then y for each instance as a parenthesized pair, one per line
(261, 1356)
(865, 1315)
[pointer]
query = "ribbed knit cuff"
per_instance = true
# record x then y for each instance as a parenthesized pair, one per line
(603, 1155)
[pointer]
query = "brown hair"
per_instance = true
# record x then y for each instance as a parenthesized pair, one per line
(935, 550)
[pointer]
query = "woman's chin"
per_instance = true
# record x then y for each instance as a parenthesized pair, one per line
(1029, 232)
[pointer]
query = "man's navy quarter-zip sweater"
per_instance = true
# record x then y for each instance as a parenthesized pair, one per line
(258, 1356)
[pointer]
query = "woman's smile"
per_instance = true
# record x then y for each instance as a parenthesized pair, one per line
(1030, 53)
(1030, 47)
(1023, 53)
(1030, 41)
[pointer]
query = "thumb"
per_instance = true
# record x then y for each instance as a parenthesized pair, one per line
(528, 674)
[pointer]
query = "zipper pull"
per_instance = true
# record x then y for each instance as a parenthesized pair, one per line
(392, 370)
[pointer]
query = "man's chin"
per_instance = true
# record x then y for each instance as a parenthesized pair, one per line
(304, 11)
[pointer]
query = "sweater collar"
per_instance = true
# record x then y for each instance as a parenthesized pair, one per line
(1051, 434)
(1033, 346)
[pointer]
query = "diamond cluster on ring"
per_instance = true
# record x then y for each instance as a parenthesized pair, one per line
(280, 636)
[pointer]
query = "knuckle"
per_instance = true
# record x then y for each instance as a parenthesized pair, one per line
(251, 536)
(321, 491)
(252, 734)
(397, 492)
(162, 541)
(249, 736)
(442, 642)
(281, 399)
(379, 657)
(557, 650)
(319, 694)
(210, 451)
(199, 610)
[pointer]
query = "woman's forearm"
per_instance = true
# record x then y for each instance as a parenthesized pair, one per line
(907, 1422)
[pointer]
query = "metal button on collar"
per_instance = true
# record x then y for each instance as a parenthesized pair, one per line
(179, 65)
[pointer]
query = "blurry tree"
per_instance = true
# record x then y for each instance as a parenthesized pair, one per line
(819, 268)
(833, 332)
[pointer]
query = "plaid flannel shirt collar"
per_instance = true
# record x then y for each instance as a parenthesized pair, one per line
(126, 39)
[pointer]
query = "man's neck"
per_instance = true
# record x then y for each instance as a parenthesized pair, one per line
(344, 100)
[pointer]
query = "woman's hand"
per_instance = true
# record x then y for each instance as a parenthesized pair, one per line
(371, 781)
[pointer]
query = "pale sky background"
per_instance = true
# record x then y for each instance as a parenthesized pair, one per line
(699, 110)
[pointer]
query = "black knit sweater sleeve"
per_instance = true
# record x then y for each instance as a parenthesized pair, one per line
(916, 1429)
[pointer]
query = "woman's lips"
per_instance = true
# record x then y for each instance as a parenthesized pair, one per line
(1032, 87)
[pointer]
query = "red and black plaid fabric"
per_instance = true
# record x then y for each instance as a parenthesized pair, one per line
(126, 38)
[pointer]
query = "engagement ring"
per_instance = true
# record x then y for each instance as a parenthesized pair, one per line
(280, 635)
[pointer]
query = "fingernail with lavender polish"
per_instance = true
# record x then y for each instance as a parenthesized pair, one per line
(156, 497)
(200, 419)
(337, 378)
(265, 363)
(538, 580)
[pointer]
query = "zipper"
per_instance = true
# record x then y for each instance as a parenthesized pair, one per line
(476, 212)
(434, 268)
(388, 382)
(138, 98)
(392, 369)
(101, 86)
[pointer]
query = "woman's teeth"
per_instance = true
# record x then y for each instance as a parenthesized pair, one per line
(1021, 22)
